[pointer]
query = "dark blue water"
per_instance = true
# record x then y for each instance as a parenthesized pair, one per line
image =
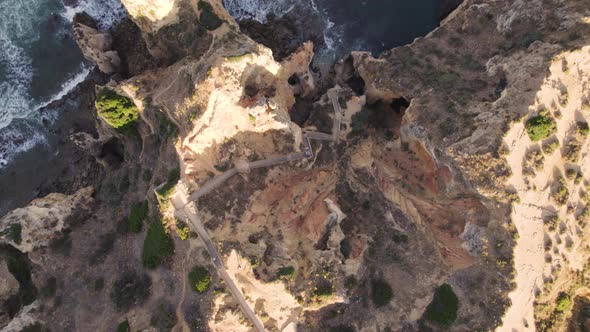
(39, 62)
(351, 25)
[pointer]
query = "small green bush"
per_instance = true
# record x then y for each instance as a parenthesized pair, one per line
(199, 279)
(443, 308)
(163, 194)
(323, 290)
(106, 244)
(124, 327)
(583, 129)
(167, 127)
(130, 289)
(208, 18)
(183, 232)
(563, 302)
(560, 194)
(164, 318)
(551, 146)
(138, 213)
(571, 151)
(118, 111)
(381, 293)
(540, 127)
(157, 246)
(15, 233)
(287, 273)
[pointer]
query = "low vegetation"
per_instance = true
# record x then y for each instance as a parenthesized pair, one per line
(323, 290)
(167, 128)
(13, 232)
(550, 146)
(381, 292)
(164, 192)
(287, 273)
(105, 245)
(138, 213)
(582, 128)
(182, 230)
(157, 246)
(124, 326)
(199, 279)
(117, 111)
(130, 289)
(164, 318)
(571, 151)
(443, 308)
(540, 127)
(560, 194)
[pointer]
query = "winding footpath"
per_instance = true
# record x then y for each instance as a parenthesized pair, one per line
(185, 204)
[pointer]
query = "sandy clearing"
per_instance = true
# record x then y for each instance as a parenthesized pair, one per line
(534, 191)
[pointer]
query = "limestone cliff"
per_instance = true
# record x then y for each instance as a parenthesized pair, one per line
(442, 205)
(44, 219)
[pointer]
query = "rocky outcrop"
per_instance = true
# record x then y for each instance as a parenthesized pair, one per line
(96, 46)
(44, 219)
(8, 288)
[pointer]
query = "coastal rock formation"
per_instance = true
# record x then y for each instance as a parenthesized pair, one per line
(8, 289)
(96, 46)
(454, 198)
(44, 219)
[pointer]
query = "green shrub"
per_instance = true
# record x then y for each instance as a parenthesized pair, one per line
(167, 128)
(443, 308)
(560, 194)
(106, 244)
(183, 232)
(157, 246)
(208, 18)
(287, 273)
(164, 318)
(118, 111)
(14, 232)
(570, 173)
(572, 150)
(124, 327)
(164, 192)
(381, 293)
(551, 146)
(583, 129)
(138, 213)
(540, 127)
(130, 289)
(563, 302)
(323, 290)
(199, 279)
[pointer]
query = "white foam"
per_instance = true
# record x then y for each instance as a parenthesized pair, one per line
(105, 12)
(258, 10)
(69, 85)
(19, 139)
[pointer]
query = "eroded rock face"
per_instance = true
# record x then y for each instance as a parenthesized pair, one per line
(8, 288)
(97, 47)
(44, 218)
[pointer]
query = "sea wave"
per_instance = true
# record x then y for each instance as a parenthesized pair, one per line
(105, 12)
(22, 127)
(258, 10)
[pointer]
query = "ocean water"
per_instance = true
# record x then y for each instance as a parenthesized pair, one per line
(352, 25)
(39, 63)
